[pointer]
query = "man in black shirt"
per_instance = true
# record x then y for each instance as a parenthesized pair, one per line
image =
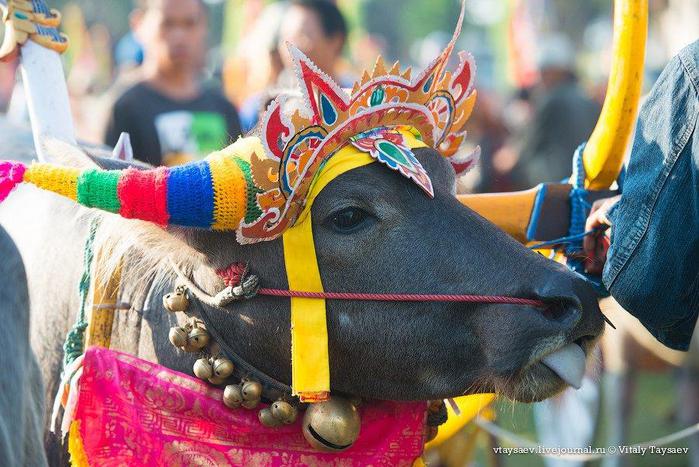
(170, 117)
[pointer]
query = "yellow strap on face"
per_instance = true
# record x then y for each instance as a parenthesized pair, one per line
(310, 364)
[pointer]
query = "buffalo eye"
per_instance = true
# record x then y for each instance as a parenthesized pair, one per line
(348, 220)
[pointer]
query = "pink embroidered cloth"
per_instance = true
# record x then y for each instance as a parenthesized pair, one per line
(128, 411)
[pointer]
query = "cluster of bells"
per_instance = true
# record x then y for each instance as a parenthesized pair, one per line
(331, 426)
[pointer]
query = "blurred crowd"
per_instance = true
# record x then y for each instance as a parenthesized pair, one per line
(179, 93)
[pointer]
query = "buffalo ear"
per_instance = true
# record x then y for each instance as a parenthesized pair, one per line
(103, 160)
(86, 156)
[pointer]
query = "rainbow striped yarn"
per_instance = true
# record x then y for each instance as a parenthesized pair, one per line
(216, 193)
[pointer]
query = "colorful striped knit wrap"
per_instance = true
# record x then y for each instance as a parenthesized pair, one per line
(216, 193)
(236, 189)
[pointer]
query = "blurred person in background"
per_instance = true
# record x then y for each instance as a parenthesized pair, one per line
(128, 61)
(499, 163)
(564, 116)
(253, 70)
(170, 117)
(487, 130)
(319, 30)
(128, 53)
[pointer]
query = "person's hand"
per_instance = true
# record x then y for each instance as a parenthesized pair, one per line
(597, 244)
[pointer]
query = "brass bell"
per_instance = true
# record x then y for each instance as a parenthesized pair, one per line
(267, 418)
(332, 425)
(223, 367)
(197, 339)
(232, 396)
(203, 369)
(284, 412)
(176, 301)
(251, 404)
(215, 380)
(252, 391)
(178, 336)
(356, 401)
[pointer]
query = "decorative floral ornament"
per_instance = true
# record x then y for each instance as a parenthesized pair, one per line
(391, 148)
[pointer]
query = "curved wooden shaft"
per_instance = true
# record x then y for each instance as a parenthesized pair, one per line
(47, 97)
(470, 407)
(604, 153)
(520, 214)
(509, 211)
(536, 215)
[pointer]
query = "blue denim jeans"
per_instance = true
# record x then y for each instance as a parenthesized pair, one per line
(652, 266)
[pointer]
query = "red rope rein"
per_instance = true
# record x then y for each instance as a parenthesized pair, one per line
(233, 274)
(403, 297)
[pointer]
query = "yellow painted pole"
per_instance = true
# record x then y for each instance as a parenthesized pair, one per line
(509, 211)
(604, 154)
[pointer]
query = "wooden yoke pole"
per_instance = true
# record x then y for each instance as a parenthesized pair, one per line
(46, 96)
(604, 154)
(526, 215)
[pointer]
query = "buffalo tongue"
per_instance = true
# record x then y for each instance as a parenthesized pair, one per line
(568, 363)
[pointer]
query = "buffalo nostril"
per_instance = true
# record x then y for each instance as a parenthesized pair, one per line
(563, 311)
(563, 301)
(551, 312)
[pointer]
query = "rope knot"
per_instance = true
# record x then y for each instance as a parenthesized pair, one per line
(240, 284)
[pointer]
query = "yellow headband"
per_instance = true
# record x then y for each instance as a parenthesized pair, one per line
(310, 365)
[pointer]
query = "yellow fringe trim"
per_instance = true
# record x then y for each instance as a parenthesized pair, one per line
(60, 180)
(78, 458)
